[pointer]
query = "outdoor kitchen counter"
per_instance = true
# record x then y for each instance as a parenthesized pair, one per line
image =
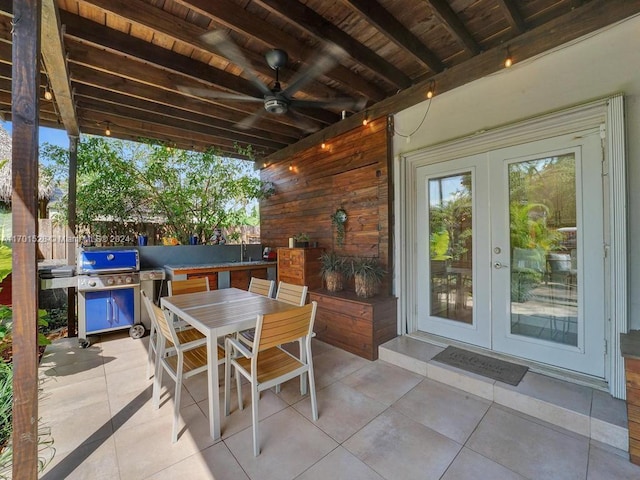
(224, 274)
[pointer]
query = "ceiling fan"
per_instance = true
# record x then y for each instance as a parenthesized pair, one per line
(276, 100)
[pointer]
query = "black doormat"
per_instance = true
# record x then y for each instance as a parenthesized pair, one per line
(500, 370)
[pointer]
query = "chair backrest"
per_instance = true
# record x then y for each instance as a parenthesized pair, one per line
(293, 294)
(261, 286)
(159, 318)
(283, 327)
(192, 285)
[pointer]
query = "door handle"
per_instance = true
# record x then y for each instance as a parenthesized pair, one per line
(498, 265)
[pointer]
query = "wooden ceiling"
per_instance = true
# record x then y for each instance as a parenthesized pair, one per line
(127, 64)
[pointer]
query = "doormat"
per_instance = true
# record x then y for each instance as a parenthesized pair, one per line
(500, 370)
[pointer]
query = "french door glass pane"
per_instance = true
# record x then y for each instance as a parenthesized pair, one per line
(450, 247)
(544, 249)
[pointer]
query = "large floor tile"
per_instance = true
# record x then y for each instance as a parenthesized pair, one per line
(147, 448)
(340, 465)
(97, 461)
(66, 399)
(383, 382)
(85, 424)
(342, 410)
(604, 465)
(239, 420)
(469, 464)
(332, 365)
(85, 368)
(290, 444)
(528, 448)
(446, 410)
(399, 448)
(213, 463)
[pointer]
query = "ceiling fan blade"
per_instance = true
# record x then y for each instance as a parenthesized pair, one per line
(330, 56)
(302, 122)
(223, 44)
(250, 121)
(216, 94)
(346, 103)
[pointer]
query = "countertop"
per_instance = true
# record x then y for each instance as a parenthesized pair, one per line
(221, 266)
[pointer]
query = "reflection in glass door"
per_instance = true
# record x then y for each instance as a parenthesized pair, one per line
(450, 247)
(544, 249)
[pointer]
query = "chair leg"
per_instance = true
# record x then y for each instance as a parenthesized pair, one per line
(157, 378)
(153, 349)
(312, 393)
(176, 406)
(303, 359)
(227, 381)
(239, 389)
(255, 398)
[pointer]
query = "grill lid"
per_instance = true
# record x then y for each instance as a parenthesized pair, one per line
(103, 261)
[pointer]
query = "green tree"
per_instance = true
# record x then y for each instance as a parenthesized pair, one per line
(125, 183)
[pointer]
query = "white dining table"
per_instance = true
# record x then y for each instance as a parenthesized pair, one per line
(215, 314)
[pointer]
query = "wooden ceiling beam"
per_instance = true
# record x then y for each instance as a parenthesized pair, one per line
(53, 56)
(305, 18)
(111, 83)
(115, 98)
(589, 18)
(377, 15)
(157, 117)
(513, 16)
(144, 129)
(235, 17)
(454, 25)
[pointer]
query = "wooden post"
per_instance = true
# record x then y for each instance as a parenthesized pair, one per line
(71, 233)
(24, 201)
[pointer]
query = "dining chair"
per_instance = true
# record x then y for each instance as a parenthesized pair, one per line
(266, 364)
(179, 357)
(191, 285)
(176, 287)
(262, 286)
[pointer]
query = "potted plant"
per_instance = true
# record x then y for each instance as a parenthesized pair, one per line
(302, 240)
(333, 269)
(368, 274)
(339, 218)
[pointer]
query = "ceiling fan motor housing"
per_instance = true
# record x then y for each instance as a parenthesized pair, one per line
(277, 105)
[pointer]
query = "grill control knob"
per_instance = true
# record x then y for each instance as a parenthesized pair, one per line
(109, 281)
(128, 280)
(92, 283)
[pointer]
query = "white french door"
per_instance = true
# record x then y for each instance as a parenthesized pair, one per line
(510, 251)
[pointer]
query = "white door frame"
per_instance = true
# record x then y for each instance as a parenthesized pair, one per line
(606, 113)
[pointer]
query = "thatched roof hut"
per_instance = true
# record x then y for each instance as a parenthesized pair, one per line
(45, 184)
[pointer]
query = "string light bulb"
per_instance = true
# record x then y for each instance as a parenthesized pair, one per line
(365, 120)
(107, 131)
(47, 93)
(431, 90)
(291, 167)
(508, 61)
(323, 146)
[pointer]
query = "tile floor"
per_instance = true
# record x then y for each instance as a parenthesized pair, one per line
(377, 421)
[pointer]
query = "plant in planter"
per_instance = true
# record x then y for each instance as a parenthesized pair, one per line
(302, 240)
(333, 269)
(368, 274)
(339, 218)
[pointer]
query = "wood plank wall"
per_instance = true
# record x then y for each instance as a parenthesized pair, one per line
(352, 172)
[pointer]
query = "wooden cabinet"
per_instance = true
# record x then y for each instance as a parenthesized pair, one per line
(357, 325)
(300, 266)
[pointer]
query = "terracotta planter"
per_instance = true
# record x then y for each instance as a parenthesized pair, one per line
(365, 288)
(334, 281)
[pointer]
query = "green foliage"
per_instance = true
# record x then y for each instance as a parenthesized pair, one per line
(330, 262)
(190, 192)
(6, 327)
(451, 220)
(301, 237)
(5, 261)
(368, 268)
(439, 245)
